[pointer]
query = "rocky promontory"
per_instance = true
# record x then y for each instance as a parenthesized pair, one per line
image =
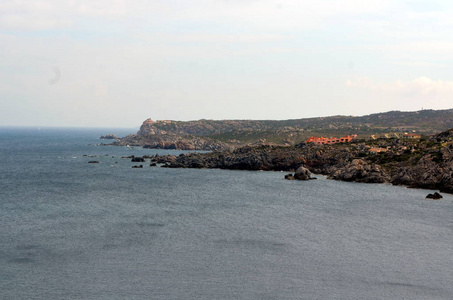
(424, 163)
(171, 142)
(422, 160)
(231, 134)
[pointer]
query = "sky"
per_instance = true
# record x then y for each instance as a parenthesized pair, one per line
(115, 63)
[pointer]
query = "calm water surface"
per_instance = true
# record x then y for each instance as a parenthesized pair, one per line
(73, 230)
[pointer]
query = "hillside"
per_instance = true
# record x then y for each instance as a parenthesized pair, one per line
(225, 134)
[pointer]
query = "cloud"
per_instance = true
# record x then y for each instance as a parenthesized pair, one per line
(231, 38)
(433, 49)
(418, 64)
(54, 14)
(420, 86)
(287, 14)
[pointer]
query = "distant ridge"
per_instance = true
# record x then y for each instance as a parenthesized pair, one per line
(220, 134)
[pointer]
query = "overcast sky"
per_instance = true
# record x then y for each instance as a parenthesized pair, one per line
(114, 63)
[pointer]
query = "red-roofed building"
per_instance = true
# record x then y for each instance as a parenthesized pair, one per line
(331, 140)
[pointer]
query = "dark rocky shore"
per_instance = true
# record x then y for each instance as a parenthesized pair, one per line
(424, 163)
(170, 141)
(419, 163)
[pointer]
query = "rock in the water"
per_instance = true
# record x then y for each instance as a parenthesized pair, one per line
(137, 159)
(435, 196)
(109, 137)
(93, 162)
(289, 177)
(153, 165)
(302, 173)
(137, 167)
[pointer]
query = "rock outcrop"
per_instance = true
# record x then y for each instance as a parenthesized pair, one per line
(433, 170)
(302, 173)
(137, 159)
(290, 177)
(170, 142)
(360, 171)
(421, 164)
(435, 196)
(109, 137)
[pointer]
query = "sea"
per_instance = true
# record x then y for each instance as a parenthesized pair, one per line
(70, 229)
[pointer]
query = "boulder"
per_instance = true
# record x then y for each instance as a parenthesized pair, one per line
(302, 173)
(153, 165)
(289, 177)
(137, 167)
(137, 159)
(435, 196)
(93, 162)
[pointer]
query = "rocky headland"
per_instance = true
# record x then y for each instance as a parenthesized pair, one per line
(215, 135)
(171, 142)
(109, 137)
(425, 163)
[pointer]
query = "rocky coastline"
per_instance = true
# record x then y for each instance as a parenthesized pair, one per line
(425, 162)
(417, 164)
(170, 142)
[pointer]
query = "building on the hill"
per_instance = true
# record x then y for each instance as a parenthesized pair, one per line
(414, 136)
(331, 140)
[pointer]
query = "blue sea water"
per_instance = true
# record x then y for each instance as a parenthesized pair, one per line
(73, 230)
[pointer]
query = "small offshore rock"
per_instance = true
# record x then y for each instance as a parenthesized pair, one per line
(109, 137)
(289, 177)
(153, 165)
(302, 173)
(137, 159)
(435, 196)
(93, 162)
(137, 167)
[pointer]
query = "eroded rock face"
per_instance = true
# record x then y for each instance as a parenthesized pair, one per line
(360, 171)
(446, 180)
(427, 174)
